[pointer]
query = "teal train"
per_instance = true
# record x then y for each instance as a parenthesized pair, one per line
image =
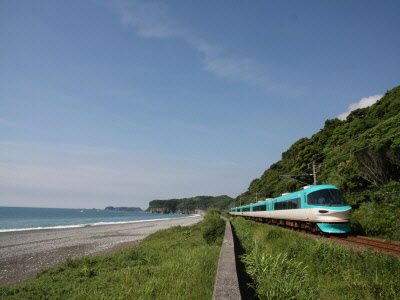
(318, 208)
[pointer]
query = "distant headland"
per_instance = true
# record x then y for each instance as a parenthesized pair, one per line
(194, 205)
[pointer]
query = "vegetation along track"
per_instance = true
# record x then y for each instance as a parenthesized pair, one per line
(375, 244)
(369, 242)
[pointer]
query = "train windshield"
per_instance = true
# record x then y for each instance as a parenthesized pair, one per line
(327, 197)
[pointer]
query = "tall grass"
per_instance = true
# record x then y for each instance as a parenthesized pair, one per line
(278, 277)
(177, 263)
(284, 265)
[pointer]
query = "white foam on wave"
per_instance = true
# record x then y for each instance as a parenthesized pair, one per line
(91, 224)
(43, 228)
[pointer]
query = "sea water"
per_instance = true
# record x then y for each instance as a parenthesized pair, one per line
(32, 218)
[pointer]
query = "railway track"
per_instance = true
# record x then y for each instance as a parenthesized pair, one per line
(369, 242)
(375, 244)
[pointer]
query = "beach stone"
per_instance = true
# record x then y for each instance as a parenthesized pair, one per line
(24, 253)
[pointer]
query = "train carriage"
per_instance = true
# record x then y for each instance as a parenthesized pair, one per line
(315, 208)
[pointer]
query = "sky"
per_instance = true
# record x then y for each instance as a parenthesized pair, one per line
(123, 102)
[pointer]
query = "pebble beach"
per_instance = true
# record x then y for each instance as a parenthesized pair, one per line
(24, 253)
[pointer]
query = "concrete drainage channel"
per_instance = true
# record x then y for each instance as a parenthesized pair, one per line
(231, 280)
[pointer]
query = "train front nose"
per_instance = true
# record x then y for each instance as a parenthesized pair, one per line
(334, 220)
(335, 227)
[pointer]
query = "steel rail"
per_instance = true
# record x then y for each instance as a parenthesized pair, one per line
(368, 242)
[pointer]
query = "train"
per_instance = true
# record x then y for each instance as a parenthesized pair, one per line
(316, 208)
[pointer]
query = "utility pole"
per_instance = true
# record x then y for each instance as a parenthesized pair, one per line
(314, 169)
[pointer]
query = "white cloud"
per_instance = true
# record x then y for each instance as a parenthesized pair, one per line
(151, 20)
(364, 102)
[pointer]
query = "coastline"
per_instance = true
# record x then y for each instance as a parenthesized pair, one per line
(90, 224)
(24, 253)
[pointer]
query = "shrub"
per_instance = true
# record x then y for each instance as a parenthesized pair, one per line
(213, 227)
(377, 219)
(273, 232)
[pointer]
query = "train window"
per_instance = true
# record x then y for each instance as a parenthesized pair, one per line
(295, 203)
(326, 197)
(260, 208)
(246, 209)
(288, 204)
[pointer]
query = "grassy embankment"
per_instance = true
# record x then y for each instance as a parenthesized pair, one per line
(285, 265)
(177, 263)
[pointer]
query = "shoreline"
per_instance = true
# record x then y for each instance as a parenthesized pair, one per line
(91, 224)
(24, 253)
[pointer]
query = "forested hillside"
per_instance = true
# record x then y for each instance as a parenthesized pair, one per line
(360, 155)
(190, 205)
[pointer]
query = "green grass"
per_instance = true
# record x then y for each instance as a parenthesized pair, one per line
(177, 263)
(285, 265)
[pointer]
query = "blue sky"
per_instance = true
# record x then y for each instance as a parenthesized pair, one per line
(122, 102)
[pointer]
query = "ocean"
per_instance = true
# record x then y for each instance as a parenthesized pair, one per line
(32, 218)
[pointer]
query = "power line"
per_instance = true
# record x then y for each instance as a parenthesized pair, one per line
(382, 194)
(298, 175)
(373, 189)
(358, 150)
(339, 157)
(314, 174)
(358, 136)
(353, 140)
(292, 179)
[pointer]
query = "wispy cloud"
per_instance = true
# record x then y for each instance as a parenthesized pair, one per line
(205, 48)
(364, 102)
(243, 70)
(152, 19)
